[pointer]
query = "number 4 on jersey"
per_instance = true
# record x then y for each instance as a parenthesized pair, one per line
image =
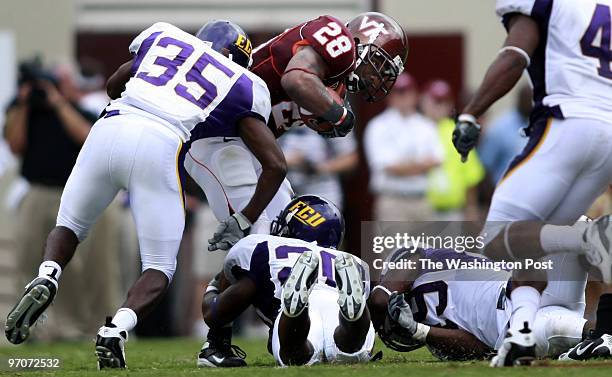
(600, 26)
(334, 46)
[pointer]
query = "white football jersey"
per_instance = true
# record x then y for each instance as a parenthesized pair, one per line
(571, 70)
(268, 261)
(181, 81)
(472, 300)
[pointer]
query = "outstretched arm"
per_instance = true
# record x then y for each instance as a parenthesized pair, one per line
(262, 143)
(503, 74)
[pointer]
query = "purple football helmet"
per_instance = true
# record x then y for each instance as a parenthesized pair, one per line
(226, 34)
(311, 218)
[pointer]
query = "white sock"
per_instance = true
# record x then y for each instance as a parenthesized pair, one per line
(525, 303)
(50, 270)
(556, 239)
(125, 318)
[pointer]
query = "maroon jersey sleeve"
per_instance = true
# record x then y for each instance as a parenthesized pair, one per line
(333, 41)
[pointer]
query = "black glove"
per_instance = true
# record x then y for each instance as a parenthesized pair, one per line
(400, 327)
(343, 119)
(466, 134)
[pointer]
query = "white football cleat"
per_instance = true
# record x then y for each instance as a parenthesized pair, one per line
(299, 284)
(598, 246)
(350, 287)
(518, 349)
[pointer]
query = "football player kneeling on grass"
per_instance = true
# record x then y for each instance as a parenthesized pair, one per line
(311, 295)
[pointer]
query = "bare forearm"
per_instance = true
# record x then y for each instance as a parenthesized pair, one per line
(220, 309)
(267, 186)
(458, 344)
(521, 43)
(15, 128)
(260, 141)
(75, 124)
(303, 81)
(307, 91)
(501, 77)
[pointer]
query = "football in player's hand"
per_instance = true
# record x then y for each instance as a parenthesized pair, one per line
(316, 123)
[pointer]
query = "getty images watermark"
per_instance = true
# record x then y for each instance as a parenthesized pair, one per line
(436, 246)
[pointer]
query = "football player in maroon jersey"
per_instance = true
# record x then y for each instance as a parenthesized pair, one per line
(366, 55)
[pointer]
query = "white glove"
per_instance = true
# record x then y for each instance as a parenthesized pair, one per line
(229, 232)
(401, 321)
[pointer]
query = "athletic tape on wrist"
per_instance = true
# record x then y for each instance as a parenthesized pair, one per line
(421, 332)
(469, 118)
(212, 288)
(382, 288)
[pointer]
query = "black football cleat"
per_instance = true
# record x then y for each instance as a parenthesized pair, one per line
(593, 347)
(110, 346)
(219, 352)
(37, 297)
(518, 349)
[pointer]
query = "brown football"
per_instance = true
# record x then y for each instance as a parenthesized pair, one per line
(311, 120)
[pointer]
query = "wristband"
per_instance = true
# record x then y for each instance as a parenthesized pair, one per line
(469, 118)
(382, 288)
(243, 222)
(342, 118)
(211, 288)
(421, 332)
(335, 114)
(519, 51)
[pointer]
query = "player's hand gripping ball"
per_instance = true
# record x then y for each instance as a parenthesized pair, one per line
(328, 128)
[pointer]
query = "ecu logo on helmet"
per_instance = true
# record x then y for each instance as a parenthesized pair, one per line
(306, 214)
(244, 44)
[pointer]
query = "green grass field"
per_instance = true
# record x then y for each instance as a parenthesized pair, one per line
(177, 358)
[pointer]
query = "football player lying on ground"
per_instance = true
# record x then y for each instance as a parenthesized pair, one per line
(319, 291)
(299, 66)
(158, 102)
(464, 314)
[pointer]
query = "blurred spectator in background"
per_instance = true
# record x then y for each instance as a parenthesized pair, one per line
(91, 83)
(452, 190)
(401, 147)
(315, 163)
(45, 127)
(502, 139)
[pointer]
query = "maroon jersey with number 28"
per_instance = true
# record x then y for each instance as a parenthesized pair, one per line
(327, 36)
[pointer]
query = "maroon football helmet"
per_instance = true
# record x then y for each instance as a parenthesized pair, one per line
(382, 50)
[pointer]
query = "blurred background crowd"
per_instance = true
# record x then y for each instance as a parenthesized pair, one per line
(399, 163)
